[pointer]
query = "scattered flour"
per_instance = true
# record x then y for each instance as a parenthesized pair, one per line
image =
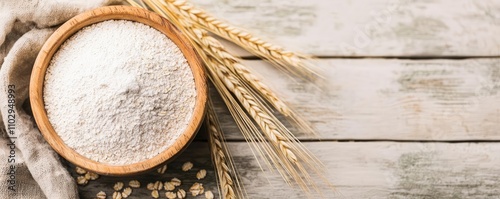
(119, 92)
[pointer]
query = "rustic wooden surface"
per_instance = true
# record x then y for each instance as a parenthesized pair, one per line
(417, 117)
(370, 28)
(389, 170)
(393, 99)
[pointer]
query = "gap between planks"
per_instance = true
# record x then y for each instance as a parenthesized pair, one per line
(235, 140)
(369, 28)
(256, 58)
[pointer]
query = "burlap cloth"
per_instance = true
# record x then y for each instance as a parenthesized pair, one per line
(24, 27)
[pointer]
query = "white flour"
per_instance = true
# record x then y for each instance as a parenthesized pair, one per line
(119, 92)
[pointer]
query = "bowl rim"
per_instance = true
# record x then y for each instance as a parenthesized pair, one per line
(95, 16)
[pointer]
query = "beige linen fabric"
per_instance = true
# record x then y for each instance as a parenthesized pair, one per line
(24, 26)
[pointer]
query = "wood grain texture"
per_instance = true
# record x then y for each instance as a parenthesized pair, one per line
(388, 170)
(116, 13)
(370, 28)
(392, 99)
(197, 153)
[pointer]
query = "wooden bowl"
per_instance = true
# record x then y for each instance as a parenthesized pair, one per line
(95, 16)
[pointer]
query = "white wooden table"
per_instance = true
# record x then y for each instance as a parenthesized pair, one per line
(412, 105)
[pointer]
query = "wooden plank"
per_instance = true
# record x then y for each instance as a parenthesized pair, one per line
(388, 170)
(197, 153)
(392, 99)
(370, 28)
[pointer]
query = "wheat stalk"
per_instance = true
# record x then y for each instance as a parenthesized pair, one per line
(213, 47)
(223, 163)
(279, 146)
(294, 63)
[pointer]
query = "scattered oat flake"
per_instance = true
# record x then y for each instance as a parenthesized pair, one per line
(196, 189)
(169, 186)
(151, 186)
(92, 176)
(162, 169)
(201, 174)
(81, 180)
(117, 195)
(181, 194)
(87, 176)
(101, 195)
(134, 184)
(209, 195)
(170, 195)
(80, 170)
(155, 194)
(158, 185)
(118, 186)
(126, 192)
(176, 182)
(187, 166)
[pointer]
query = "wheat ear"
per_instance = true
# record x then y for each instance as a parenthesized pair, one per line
(217, 51)
(223, 163)
(213, 47)
(294, 63)
(289, 151)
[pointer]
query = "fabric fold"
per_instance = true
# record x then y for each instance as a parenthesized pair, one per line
(29, 167)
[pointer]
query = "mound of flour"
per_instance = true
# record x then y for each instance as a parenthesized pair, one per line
(119, 92)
